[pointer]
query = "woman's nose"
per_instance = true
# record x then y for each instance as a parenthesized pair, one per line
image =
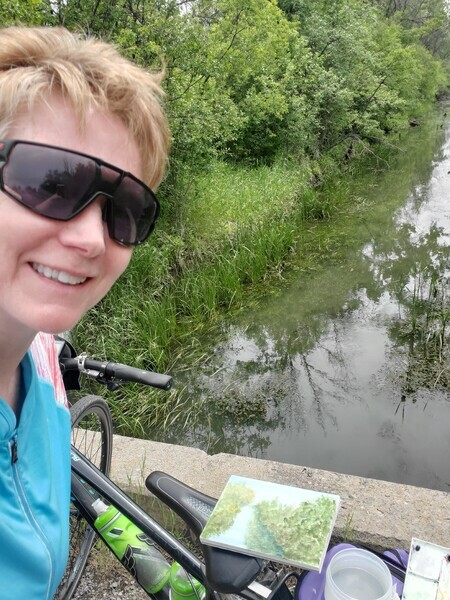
(86, 232)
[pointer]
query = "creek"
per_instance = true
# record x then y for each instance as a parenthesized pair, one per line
(343, 365)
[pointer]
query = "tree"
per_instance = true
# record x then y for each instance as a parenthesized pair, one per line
(428, 21)
(368, 79)
(38, 12)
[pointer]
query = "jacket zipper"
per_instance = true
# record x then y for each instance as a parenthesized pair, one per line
(27, 511)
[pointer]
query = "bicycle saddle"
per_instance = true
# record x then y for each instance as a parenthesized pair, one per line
(227, 572)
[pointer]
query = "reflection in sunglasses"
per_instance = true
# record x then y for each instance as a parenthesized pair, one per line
(59, 184)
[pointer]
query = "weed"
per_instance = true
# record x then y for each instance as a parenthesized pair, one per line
(348, 531)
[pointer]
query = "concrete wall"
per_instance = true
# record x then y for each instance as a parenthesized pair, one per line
(374, 512)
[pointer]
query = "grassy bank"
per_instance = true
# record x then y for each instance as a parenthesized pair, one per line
(228, 228)
(233, 227)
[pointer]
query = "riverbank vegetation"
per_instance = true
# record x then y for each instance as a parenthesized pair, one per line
(422, 331)
(268, 104)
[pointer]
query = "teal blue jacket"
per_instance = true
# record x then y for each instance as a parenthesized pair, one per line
(34, 488)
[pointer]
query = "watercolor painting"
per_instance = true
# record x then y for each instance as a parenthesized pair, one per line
(279, 522)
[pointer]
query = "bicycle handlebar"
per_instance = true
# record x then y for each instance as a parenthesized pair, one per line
(111, 372)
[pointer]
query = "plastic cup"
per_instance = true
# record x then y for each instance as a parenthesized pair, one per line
(356, 574)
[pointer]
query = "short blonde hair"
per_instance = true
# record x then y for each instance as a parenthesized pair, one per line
(36, 61)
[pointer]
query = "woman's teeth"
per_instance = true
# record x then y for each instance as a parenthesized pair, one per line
(60, 276)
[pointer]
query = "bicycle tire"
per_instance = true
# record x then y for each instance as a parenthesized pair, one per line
(89, 416)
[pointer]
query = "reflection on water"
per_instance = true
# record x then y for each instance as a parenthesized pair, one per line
(346, 369)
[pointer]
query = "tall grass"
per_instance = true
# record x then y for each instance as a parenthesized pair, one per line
(236, 225)
(423, 331)
(232, 227)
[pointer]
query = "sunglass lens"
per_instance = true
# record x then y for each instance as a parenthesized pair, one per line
(134, 212)
(59, 184)
(49, 181)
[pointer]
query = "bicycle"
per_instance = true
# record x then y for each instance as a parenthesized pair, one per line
(217, 573)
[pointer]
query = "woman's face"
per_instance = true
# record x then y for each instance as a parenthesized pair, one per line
(51, 272)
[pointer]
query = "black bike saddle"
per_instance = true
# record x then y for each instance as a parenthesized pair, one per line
(227, 572)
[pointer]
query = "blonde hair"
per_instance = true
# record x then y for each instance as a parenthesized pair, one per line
(34, 62)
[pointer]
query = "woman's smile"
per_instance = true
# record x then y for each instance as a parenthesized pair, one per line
(56, 275)
(54, 271)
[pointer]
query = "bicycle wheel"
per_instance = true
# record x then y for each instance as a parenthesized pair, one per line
(92, 436)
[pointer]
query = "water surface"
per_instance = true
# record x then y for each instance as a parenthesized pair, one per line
(323, 372)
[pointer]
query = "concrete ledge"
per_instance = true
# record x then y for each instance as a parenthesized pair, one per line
(375, 512)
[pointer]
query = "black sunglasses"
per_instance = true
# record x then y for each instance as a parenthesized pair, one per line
(59, 184)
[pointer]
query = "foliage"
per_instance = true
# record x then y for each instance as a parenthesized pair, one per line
(250, 79)
(367, 78)
(425, 20)
(38, 12)
(179, 279)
